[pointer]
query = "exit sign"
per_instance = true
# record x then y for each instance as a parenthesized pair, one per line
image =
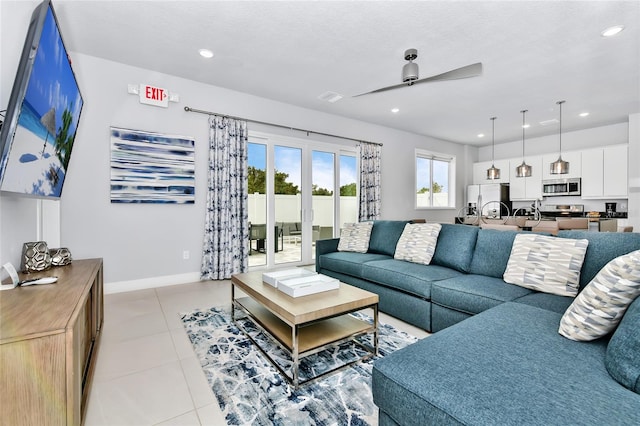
(152, 95)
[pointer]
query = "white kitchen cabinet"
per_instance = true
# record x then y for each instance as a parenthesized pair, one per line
(526, 188)
(480, 172)
(605, 172)
(593, 166)
(616, 173)
(575, 165)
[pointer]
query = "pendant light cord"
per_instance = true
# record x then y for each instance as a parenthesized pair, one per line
(523, 123)
(493, 135)
(560, 133)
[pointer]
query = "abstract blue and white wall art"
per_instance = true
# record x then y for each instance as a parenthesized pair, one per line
(148, 167)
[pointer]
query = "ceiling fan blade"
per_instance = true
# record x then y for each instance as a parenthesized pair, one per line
(384, 89)
(472, 70)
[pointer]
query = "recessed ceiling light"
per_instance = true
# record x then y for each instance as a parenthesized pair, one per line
(481, 135)
(395, 110)
(330, 97)
(583, 114)
(206, 53)
(549, 122)
(611, 31)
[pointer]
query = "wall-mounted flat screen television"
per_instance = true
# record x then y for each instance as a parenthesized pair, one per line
(42, 116)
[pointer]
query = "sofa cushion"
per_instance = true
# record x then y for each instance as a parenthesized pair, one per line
(509, 367)
(547, 264)
(347, 262)
(355, 237)
(550, 302)
(603, 246)
(597, 310)
(385, 235)
(473, 294)
(407, 307)
(492, 252)
(406, 276)
(622, 359)
(417, 242)
(455, 246)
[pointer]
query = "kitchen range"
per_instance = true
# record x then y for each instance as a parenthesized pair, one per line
(562, 210)
(597, 221)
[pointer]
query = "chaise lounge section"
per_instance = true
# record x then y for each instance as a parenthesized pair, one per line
(507, 366)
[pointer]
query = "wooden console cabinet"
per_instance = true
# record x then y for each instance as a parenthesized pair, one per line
(49, 336)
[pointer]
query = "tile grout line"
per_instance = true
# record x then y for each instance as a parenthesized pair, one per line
(175, 348)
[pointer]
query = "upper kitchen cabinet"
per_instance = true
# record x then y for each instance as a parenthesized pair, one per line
(480, 172)
(575, 165)
(605, 172)
(526, 188)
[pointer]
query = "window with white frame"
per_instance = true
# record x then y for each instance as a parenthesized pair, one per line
(435, 179)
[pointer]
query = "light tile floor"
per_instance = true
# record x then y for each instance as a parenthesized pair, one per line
(146, 372)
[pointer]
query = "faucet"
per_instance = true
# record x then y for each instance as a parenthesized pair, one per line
(536, 208)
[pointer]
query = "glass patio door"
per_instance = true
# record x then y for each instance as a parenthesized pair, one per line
(294, 199)
(323, 201)
(288, 190)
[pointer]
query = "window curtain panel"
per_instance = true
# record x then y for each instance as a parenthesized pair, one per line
(226, 231)
(370, 154)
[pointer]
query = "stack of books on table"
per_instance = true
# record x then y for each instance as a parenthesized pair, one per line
(300, 282)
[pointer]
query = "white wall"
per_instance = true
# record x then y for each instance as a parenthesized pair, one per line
(287, 208)
(634, 172)
(141, 242)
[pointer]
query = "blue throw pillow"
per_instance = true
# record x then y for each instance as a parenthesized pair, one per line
(455, 246)
(492, 252)
(385, 235)
(622, 359)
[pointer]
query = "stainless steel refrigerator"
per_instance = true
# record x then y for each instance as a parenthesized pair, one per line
(493, 198)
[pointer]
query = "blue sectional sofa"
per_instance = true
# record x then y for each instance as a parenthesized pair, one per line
(497, 357)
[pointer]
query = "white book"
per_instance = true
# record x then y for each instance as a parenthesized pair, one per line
(273, 277)
(303, 286)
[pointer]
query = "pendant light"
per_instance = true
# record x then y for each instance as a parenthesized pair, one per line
(560, 167)
(523, 170)
(493, 172)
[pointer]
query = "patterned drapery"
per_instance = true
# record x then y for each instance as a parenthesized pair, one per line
(225, 249)
(370, 154)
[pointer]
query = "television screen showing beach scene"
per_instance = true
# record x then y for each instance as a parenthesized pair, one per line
(38, 157)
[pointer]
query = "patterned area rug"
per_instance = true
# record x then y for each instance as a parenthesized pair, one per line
(250, 391)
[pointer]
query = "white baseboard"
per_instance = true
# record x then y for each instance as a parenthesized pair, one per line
(154, 282)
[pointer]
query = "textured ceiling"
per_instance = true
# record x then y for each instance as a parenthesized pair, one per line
(534, 53)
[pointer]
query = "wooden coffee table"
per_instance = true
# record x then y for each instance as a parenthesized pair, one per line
(305, 325)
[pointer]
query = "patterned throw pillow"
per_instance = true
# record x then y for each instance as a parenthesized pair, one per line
(355, 237)
(546, 264)
(418, 242)
(600, 306)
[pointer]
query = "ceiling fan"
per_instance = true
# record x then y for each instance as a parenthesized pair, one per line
(410, 73)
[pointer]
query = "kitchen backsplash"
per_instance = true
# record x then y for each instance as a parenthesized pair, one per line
(589, 205)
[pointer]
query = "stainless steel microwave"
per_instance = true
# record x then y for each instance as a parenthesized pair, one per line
(555, 187)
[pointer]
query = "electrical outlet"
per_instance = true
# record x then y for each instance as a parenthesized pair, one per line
(186, 255)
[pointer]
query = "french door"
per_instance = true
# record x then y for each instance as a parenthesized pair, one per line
(296, 197)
